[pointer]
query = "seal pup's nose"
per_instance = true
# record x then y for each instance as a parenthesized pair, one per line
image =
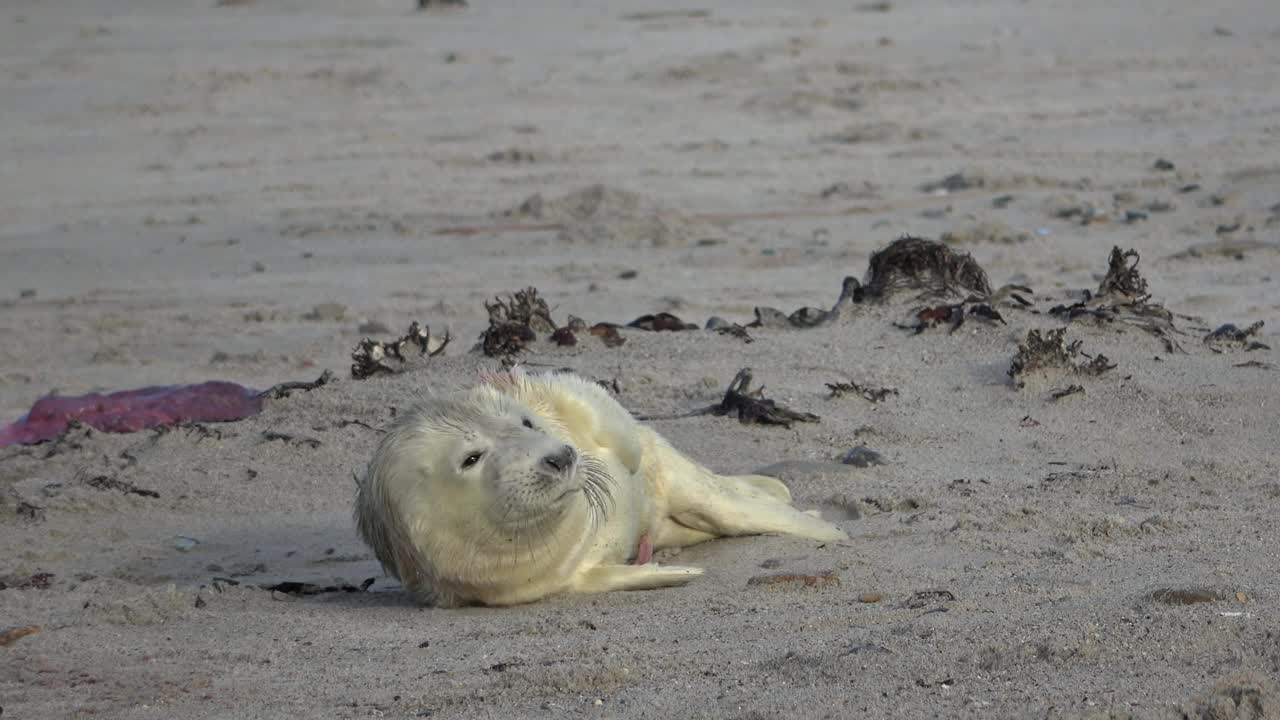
(560, 460)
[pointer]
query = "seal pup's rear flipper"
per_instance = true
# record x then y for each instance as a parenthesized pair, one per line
(724, 506)
(718, 505)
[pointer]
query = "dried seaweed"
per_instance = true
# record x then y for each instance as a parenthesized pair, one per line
(282, 390)
(372, 357)
(953, 315)
(102, 482)
(875, 395)
(608, 333)
(1067, 391)
(927, 266)
(1122, 297)
(290, 587)
(523, 307)
(661, 321)
(515, 322)
(1229, 338)
(751, 406)
(1051, 351)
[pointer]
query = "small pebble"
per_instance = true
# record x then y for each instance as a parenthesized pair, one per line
(861, 456)
(870, 597)
(182, 543)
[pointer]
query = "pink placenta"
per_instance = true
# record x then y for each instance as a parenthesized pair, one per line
(133, 410)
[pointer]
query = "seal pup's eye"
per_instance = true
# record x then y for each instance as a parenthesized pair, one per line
(528, 423)
(472, 459)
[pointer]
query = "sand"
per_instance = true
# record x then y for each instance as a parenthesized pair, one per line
(244, 190)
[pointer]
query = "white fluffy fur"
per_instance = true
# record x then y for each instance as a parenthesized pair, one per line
(507, 531)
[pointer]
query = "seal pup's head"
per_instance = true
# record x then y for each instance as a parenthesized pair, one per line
(463, 485)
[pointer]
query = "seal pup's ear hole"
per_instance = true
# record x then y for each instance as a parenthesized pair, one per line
(471, 459)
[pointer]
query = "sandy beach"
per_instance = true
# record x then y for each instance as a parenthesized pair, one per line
(244, 190)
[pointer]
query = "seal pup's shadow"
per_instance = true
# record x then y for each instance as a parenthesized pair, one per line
(321, 560)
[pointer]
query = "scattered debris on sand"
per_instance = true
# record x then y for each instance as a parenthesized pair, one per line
(282, 390)
(105, 483)
(872, 394)
(661, 321)
(290, 587)
(1230, 338)
(925, 598)
(1067, 392)
(826, 578)
(1050, 352)
(372, 357)
(38, 581)
(951, 315)
(1122, 297)
(724, 327)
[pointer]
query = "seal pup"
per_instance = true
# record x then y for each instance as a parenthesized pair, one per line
(525, 486)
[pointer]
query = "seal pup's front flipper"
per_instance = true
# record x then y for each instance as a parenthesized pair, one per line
(605, 578)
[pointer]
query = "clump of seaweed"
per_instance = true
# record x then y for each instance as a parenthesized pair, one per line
(929, 269)
(372, 357)
(750, 406)
(515, 322)
(1049, 352)
(1122, 297)
(870, 394)
(1230, 337)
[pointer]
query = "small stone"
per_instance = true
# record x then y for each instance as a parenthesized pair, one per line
(1242, 597)
(27, 293)
(870, 597)
(1184, 596)
(1162, 165)
(8, 636)
(628, 275)
(259, 267)
(861, 456)
(182, 543)
(715, 322)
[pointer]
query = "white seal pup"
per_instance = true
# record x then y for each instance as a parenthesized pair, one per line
(526, 486)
